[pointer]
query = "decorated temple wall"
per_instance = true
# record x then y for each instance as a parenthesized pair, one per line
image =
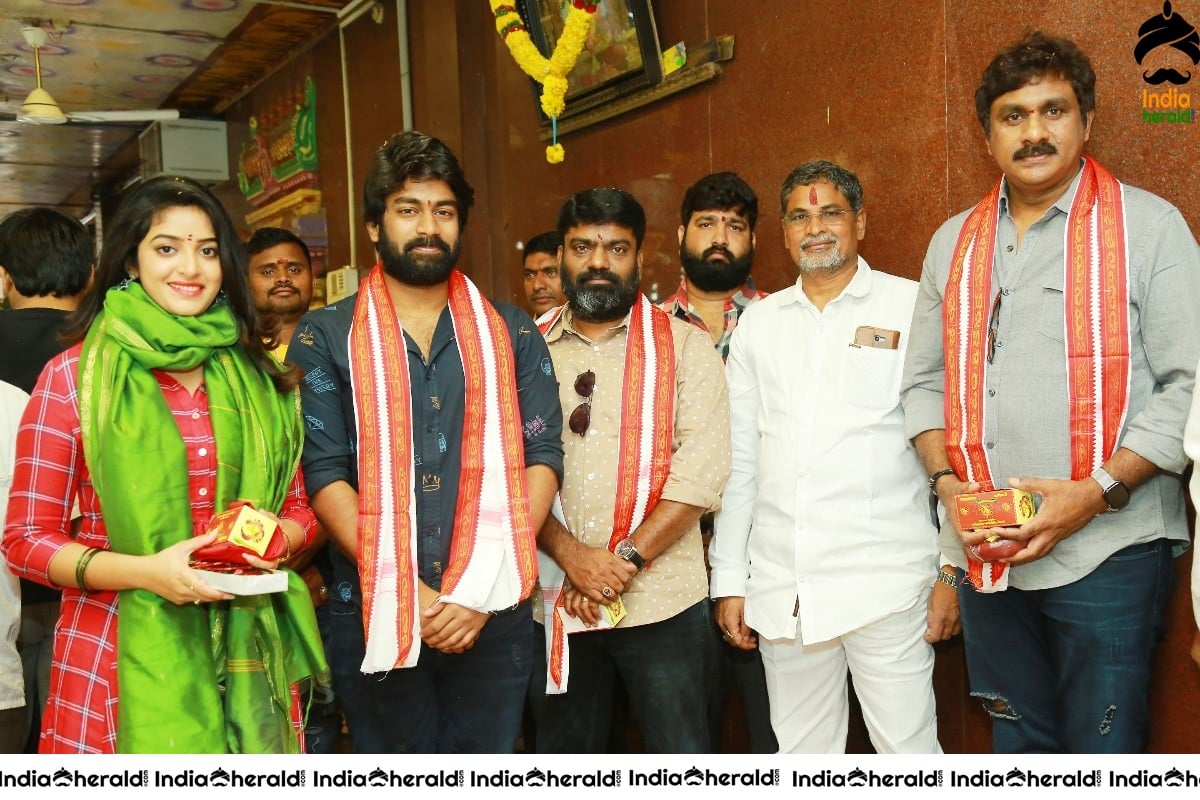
(885, 92)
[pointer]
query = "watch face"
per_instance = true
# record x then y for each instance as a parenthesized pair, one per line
(1117, 495)
(624, 548)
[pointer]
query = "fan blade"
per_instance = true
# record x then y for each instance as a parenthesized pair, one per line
(146, 115)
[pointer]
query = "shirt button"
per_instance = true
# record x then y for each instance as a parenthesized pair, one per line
(1004, 292)
(195, 415)
(990, 445)
(431, 428)
(203, 451)
(1009, 248)
(991, 392)
(203, 492)
(999, 343)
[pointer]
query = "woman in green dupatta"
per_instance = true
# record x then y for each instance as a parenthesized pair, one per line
(174, 410)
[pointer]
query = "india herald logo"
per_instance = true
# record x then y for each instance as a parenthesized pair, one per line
(1160, 40)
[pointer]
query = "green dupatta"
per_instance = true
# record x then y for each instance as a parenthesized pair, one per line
(210, 678)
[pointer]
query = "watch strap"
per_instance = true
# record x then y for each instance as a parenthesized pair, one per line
(627, 550)
(933, 495)
(948, 578)
(1114, 492)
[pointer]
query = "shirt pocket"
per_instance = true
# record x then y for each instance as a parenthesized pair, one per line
(871, 377)
(1052, 316)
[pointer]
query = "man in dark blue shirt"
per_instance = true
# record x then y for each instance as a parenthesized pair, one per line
(458, 425)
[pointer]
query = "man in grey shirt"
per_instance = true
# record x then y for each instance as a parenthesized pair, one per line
(1053, 349)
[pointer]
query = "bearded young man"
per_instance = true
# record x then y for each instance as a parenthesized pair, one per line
(432, 452)
(824, 554)
(1054, 349)
(647, 454)
(716, 250)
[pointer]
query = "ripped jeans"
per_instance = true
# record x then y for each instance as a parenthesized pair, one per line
(1067, 670)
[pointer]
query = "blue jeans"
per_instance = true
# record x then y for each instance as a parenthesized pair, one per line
(467, 703)
(324, 721)
(618, 705)
(742, 669)
(1067, 670)
(665, 668)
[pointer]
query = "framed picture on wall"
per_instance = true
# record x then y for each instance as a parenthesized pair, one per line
(621, 54)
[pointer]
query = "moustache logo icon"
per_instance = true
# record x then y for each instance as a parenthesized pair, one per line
(1166, 75)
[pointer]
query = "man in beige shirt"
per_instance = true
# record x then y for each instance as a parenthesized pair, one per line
(646, 455)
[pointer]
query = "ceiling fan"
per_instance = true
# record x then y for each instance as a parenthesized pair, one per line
(40, 108)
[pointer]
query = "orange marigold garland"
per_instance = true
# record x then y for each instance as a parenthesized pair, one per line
(551, 72)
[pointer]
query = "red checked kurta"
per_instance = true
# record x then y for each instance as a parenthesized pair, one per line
(81, 714)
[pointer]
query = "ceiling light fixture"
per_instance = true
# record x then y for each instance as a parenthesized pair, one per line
(39, 107)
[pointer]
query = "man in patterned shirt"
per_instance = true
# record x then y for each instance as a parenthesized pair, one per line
(649, 423)
(716, 249)
(432, 499)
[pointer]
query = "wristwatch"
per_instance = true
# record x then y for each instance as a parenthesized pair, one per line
(627, 550)
(948, 578)
(1116, 494)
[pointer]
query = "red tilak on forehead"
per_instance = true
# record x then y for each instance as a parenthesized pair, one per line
(812, 195)
(722, 218)
(281, 262)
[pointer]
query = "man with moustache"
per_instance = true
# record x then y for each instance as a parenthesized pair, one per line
(647, 454)
(824, 554)
(543, 286)
(716, 249)
(279, 273)
(432, 452)
(1054, 349)
(281, 280)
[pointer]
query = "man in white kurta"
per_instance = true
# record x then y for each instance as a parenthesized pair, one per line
(825, 546)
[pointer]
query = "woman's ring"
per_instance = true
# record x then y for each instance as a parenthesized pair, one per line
(323, 592)
(607, 591)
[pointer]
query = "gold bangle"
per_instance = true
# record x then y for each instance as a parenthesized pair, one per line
(81, 566)
(287, 540)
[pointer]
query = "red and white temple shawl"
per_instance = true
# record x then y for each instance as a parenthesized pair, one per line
(1096, 295)
(493, 561)
(644, 458)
